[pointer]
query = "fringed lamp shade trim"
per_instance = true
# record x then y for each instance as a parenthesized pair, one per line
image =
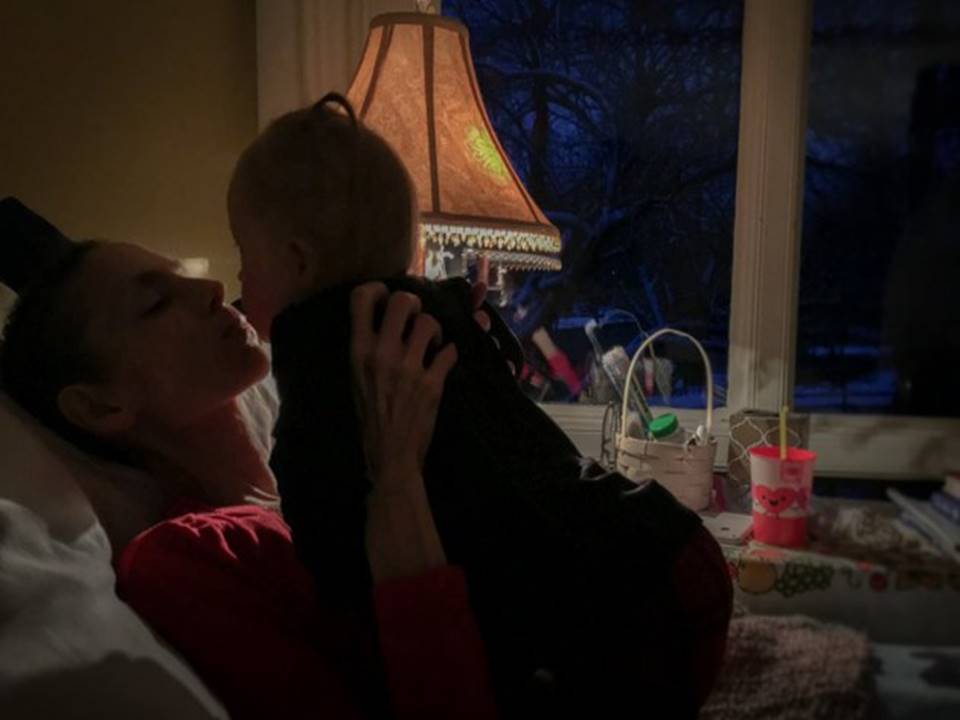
(514, 249)
(416, 86)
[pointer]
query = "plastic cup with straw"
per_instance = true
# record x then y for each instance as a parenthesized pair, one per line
(784, 409)
(781, 481)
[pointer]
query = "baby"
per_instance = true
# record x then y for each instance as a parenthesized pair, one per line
(590, 591)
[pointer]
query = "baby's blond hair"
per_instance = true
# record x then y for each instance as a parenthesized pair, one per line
(319, 174)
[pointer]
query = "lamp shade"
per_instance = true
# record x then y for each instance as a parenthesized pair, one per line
(415, 85)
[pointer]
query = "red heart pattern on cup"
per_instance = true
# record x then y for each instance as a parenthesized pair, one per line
(776, 500)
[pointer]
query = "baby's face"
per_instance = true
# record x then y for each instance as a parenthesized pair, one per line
(269, 274)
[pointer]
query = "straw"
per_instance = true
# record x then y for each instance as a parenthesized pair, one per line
(783, 431)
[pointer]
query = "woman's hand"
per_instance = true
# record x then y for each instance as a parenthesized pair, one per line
(397, 398)
(478, 293)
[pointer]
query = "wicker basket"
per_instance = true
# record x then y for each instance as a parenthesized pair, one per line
(685, 469)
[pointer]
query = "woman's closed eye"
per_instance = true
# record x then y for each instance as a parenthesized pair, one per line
(157, 306)
(156, 290)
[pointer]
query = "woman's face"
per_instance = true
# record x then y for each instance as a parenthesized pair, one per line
(170, 350)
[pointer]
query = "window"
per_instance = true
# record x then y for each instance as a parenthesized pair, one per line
(622, 119)
(879, 330)
(837, 92)
(831, 91)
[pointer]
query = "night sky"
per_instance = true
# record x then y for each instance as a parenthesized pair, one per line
(622, 119)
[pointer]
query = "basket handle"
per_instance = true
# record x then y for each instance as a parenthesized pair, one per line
(624, 405)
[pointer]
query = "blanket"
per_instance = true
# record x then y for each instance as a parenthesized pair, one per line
(791, 668)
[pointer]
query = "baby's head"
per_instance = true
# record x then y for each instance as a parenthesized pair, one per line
(316, 201)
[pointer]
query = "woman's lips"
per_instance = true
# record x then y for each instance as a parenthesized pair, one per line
(239, 329)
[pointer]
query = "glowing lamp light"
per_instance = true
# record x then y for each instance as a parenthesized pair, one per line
(416, 86)
(195, 267)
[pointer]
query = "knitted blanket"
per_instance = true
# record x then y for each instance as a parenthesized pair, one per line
(791, 668)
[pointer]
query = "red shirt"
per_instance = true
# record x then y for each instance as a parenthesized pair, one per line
(224, 587)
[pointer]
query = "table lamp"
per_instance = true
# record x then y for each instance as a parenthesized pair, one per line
(415, 85)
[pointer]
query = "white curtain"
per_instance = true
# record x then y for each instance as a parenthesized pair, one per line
(306, 48)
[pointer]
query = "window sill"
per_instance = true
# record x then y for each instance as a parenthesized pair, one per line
(857, 446)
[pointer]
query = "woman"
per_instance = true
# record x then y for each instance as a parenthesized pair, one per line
(118, 352)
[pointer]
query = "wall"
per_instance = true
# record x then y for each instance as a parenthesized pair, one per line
(307, 48)
(123, 119)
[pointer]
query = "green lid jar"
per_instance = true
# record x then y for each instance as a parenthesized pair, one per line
(666, 428)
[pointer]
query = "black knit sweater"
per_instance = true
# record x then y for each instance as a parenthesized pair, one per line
(558, 553)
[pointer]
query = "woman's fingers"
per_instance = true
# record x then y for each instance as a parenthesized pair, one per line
(478, 293)
(441, 366)
(363, 303)
(397, 397)
(481, 318)
(400, 308)
(426, 330)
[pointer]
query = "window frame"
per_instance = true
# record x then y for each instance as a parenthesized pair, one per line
(777, 37)
(766, 272)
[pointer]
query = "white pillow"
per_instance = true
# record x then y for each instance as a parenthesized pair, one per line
(40, 472)
(66, 639)
(64, 634)
(260, 407)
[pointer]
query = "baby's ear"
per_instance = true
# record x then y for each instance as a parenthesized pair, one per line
(304, 261)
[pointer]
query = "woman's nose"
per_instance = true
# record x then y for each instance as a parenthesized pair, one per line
(208, 294)
(216, 295)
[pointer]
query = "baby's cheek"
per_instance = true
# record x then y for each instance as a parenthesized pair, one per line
(254, 289)
(254, 308)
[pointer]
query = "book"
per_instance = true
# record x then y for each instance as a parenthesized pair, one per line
(946, 505)
(941, 531)
(913, 535)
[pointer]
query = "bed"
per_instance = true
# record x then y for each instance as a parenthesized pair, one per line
(70, 647)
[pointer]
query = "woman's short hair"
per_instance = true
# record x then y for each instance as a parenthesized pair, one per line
(44, 349)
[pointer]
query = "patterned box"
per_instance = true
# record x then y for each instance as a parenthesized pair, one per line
(749, 428)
